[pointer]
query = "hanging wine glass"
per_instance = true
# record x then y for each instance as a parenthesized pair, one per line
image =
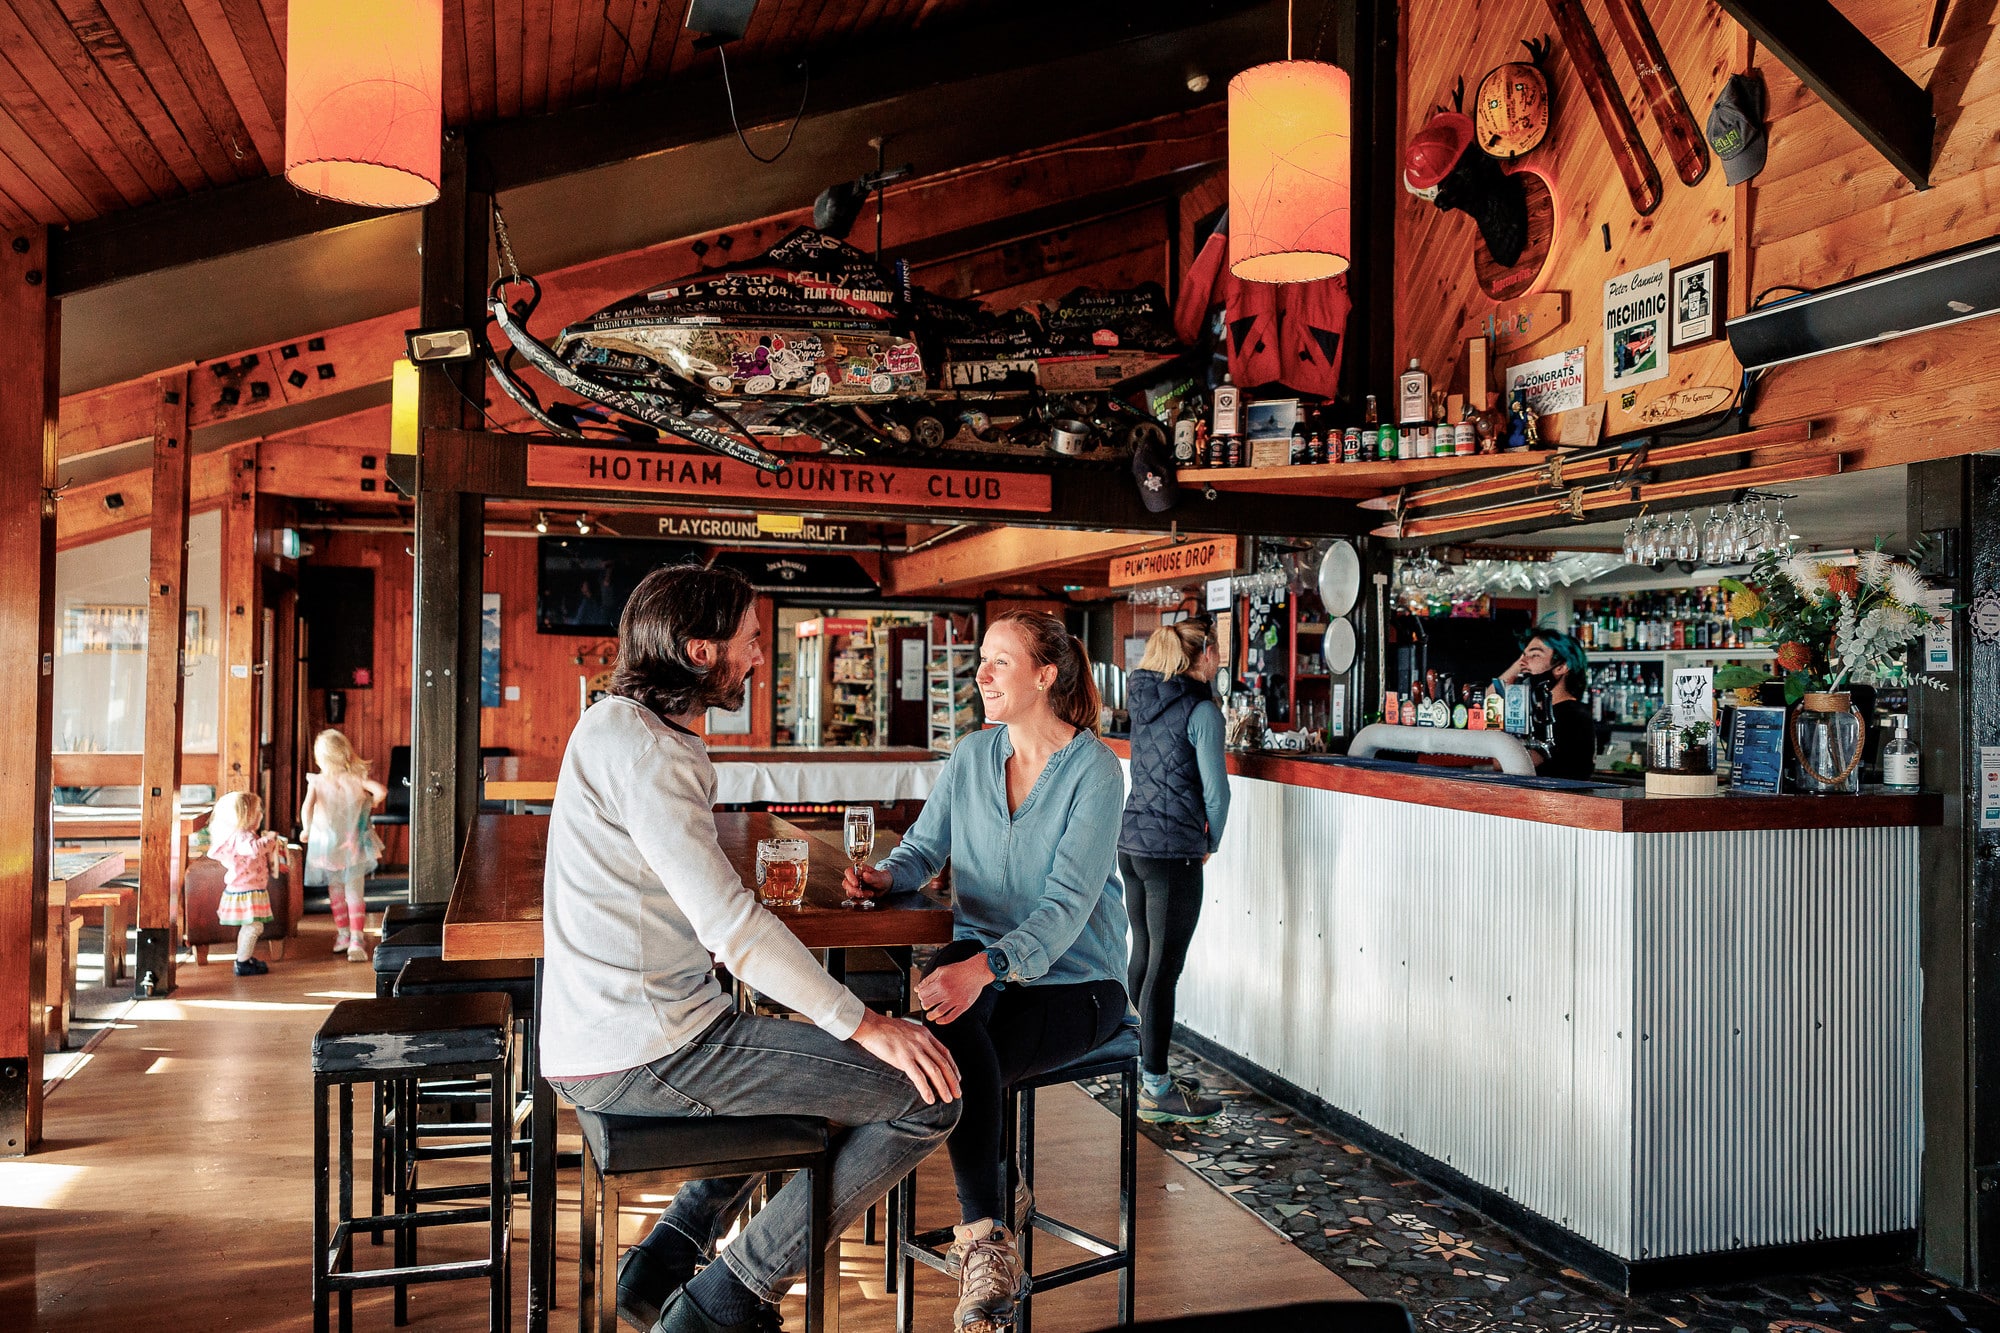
(1689, 546)
(1711, 537)
(1783, 540)
(1632, 539)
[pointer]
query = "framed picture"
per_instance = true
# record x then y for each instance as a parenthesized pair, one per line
(1699, 292)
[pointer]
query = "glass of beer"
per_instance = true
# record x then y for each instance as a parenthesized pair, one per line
(781, 871)
(858, 836)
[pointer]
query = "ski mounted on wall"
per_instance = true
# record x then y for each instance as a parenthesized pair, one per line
(1685, 144)
(1635, 164)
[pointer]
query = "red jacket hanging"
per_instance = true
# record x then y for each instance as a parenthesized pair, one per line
(1277, 333)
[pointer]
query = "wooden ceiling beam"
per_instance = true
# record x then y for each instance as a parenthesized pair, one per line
(684, 111)
(1851, 74)
(1000, 554)
(949, 214)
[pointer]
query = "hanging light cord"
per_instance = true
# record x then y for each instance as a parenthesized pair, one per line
(730, 94)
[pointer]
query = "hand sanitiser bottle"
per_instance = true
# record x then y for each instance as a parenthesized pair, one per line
(1902, 766)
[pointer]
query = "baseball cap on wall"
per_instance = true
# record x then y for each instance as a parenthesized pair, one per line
(1153, 470)
(1736, 128)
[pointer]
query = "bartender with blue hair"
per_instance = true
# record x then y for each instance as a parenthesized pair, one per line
(1563, 734)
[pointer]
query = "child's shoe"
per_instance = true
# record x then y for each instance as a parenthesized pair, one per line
(251, 967)
(357, 952)
(341, 939)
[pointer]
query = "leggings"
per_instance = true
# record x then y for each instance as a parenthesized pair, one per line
(247, 936)
(1010, 1032)
(1163, 900)
(349, 904)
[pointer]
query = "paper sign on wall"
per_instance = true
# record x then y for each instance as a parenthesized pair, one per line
(910, 684)
(1694, 696)
(1218, 594)
(1554, 383)
(1937, 639)
(1635, 327)
(1989, 787)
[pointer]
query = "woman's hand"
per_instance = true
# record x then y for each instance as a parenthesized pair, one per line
(953, 988)
(866, 882)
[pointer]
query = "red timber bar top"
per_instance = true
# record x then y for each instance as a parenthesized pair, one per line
(1610, 809)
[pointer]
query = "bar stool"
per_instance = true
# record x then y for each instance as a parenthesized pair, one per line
(418, 940)
(396, 1041)
(624, 1153)
(397, 915)
(1117, 1058)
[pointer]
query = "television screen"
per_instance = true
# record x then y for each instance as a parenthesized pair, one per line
(582, 582)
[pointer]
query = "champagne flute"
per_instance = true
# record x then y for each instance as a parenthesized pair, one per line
(858, 837)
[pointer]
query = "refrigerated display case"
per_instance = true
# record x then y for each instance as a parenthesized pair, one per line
(834, 682)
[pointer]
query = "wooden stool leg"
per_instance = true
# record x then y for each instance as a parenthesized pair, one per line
(1128, 1188)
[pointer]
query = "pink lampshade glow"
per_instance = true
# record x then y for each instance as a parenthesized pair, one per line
(364, 115)
(1290, 168)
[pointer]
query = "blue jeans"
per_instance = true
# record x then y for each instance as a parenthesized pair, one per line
(745, 1064)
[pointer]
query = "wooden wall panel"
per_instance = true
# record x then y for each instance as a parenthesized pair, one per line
(1437, 294)
(1828, 207)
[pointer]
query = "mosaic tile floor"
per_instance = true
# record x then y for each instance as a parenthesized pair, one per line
(1395, 1238)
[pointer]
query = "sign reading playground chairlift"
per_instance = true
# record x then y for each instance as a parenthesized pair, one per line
(1190, 560)
(812, 480)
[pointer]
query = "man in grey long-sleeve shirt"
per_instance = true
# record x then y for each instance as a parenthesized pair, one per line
(637, 897)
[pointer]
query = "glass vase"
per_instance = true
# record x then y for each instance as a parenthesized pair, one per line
(1826, 742)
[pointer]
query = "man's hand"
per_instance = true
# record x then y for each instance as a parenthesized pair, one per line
(922, 1057)
(865, 882)
(952, 989)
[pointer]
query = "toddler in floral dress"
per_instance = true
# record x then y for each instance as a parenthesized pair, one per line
(341, 847)
(248, 856)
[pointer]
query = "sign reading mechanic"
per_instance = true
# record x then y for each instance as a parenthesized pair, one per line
(814, 480)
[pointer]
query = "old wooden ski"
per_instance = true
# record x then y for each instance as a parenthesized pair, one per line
(1685, 144)
(1635, 164)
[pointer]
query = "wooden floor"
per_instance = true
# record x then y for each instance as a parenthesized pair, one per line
(174, 1191)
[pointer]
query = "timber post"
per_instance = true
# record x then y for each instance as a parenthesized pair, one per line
(161, 845)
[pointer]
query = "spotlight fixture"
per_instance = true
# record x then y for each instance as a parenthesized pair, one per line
(839, 204)
(114, 501)
(438, 344)
(718, 21)
(542, 521)
(583, 525)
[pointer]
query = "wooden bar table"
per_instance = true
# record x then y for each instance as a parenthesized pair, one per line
(70, 874)
(496, 912)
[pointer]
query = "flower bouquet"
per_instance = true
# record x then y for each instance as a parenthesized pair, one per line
(1829, 623)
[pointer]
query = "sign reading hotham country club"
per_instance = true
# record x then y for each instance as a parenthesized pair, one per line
(812, 480)
(1195, 559)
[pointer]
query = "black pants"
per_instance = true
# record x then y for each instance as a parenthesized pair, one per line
(1163, 900)
(1009, 1033)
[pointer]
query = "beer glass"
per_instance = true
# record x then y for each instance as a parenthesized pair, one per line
(781, 871)
(858, 837)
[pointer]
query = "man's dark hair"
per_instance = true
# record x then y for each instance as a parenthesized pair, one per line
(672, 607)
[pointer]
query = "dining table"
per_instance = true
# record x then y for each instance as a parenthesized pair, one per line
(495, 911)
(70, 875)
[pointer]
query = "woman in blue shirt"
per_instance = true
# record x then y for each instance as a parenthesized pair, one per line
(1033, 979)
(1173, 823)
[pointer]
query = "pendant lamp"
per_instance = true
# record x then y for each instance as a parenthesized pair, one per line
(363, 112)
(1290, 168)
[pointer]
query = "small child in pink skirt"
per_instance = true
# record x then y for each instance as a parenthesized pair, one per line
(248, 857)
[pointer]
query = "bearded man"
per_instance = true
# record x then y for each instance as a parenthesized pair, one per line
(637, 896)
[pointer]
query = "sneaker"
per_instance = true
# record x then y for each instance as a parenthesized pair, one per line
(1182, 1102)
(644, 1284)
(682, 1315)
(990, 1280)
(340, 941)
(251, 967)
(357, 952)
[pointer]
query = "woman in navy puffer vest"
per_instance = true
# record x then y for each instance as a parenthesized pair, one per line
(1174, 813)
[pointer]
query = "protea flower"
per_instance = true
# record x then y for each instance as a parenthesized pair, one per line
(1794, 656)
(1843, 580)
(1744, 605)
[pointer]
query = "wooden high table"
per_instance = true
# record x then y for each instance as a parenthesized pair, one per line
(496, 912)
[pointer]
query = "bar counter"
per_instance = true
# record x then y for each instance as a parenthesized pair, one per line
(1652, 1034)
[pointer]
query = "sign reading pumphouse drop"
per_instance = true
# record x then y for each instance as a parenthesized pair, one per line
(814, 478)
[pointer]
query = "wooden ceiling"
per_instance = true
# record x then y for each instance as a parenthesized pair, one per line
(113, 104)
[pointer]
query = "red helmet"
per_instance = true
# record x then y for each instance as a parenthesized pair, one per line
(1434, 150)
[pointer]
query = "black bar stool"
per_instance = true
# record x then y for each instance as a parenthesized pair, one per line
(624, 1153)
(1117, 1058)
(420, 939)
(397, 1041)
(1305, 1317)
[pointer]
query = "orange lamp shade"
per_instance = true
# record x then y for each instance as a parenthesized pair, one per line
(363, 111)
(1290, 168)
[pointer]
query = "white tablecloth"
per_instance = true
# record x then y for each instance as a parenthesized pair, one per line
(738, 783)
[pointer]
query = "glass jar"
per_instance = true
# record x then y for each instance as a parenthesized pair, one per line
(1671, 747)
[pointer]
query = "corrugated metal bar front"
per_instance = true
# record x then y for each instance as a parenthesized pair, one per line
(1779, 1006)
(1615, 1030)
